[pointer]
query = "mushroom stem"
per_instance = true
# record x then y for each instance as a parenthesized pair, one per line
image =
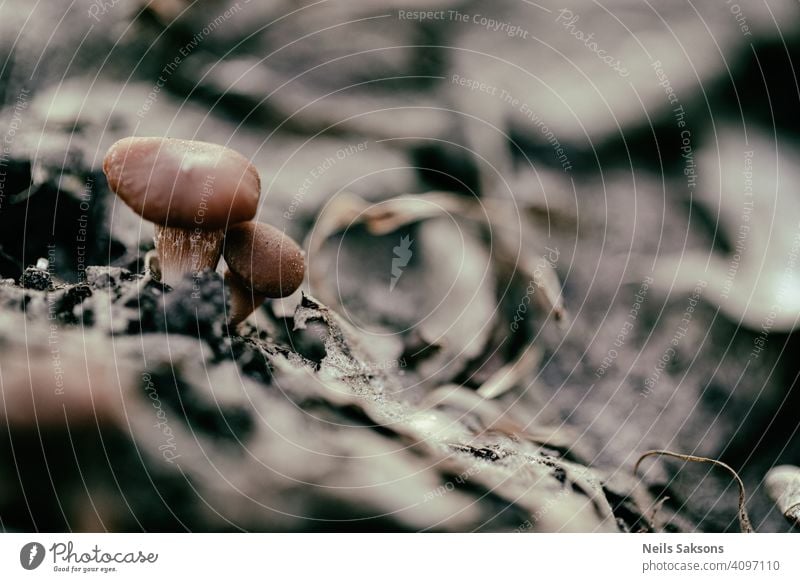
(242, 300)
(182, 250)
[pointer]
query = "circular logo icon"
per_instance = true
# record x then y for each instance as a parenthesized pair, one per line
(31, 555)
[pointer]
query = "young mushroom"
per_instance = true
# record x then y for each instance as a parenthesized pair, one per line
(262, 263)
(190, 190)
(783, 487)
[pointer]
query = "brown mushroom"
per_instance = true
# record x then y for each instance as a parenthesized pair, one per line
(190, 190)
(263, 262)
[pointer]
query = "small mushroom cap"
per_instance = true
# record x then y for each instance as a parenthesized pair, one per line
(783, 487)
(182, 183)
(264, 259)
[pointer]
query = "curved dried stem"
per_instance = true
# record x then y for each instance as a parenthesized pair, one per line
(744, 519)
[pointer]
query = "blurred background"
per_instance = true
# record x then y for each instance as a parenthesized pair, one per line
(592, 218)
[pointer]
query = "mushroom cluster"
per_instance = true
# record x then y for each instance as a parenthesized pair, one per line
(202, 198)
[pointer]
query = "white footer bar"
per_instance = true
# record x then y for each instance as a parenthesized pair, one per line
(401, 557)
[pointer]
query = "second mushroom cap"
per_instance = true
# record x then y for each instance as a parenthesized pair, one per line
(264, 259)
